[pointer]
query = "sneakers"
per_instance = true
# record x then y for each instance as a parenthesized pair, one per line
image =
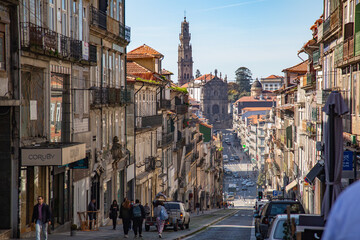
(126, 236)
(135, 236)
(140, 235)
(160, 236)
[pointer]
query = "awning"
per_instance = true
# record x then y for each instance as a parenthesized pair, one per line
(291, 185)
(53, 154)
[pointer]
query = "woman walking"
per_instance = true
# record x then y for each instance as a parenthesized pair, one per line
(159, 212)
(114, 209)
(125, 215)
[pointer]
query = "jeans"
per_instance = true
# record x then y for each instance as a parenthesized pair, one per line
(126, 224)
(137, 225)
(40, 226)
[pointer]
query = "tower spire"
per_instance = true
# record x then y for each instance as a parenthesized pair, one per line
(185, 61)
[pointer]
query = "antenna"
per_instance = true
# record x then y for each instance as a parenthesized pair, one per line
(185, 15)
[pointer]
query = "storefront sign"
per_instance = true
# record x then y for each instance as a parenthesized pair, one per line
(81, 164)
(348, 161)
(53, 155)
(85, 50)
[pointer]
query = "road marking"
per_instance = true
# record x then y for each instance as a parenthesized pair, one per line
(243, 215)
(236, 215)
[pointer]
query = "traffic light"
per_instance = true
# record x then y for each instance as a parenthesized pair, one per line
(260, 195)
(244, 146)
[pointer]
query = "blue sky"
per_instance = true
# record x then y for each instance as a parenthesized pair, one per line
(262, 35)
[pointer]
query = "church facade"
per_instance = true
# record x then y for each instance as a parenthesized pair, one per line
(214, 102)
(185, 60)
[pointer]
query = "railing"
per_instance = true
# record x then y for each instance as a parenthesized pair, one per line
(316, 57)
(105, 95)
(98, 18)
(166, 139)
(148, 121)
(126, 96)
(103, 21)
(200, 138)
(339, 54)
(165, 104)
(309, 80)
(112, 96)
(42, 40)
(310, 129)
(181, 109)
(348, 49)
(96, 96)
(326, 28)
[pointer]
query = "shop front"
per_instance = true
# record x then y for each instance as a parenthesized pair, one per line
(45, 172)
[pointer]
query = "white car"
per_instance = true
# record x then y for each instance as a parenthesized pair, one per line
(276, 229)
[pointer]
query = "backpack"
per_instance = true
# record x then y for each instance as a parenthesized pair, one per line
(163, 214)
(137, 211)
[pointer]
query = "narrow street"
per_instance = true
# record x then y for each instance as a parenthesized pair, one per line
(238, 226)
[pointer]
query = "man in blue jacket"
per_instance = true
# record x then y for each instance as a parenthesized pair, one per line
(41, 217)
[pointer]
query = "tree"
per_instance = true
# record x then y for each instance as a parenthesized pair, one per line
(243, 79)
(197, 74)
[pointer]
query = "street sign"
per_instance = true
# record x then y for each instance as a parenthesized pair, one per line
(348, 161)
(275, 193)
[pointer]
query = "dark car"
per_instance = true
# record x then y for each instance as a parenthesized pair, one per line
(236, 157)
(269, 212)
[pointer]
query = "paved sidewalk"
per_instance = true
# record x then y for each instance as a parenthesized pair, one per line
(197, 223)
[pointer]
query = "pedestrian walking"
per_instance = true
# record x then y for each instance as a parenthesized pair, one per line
(114, 209)
(138, 215)
(147, 210)
(131, 204)
(125, 215)
(197, 206)
(42, 218)
(92, 212)
(161, 215)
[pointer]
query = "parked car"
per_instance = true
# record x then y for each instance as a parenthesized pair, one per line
(259, 204)
(232, 159)
(178, 217)
(269, 212)
(277, 226)
(237, 157)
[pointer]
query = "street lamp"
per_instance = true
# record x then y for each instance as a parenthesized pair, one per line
(116, 151)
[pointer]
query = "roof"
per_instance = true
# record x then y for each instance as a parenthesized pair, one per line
(301, 67)
(206, 77)
(255, 109)
(166, 72)
(253, 99)
(206, 125)
(144, 51)
(185, 85)
(135, 69)
(256, 84)
(273, 77)
(251, 113)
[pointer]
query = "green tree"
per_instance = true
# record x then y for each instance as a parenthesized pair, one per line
(243, 79)
(197, 74)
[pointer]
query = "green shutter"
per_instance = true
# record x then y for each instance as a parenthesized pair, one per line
(357, 18)
(206, 131)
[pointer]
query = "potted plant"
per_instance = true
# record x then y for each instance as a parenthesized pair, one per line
(73, 230)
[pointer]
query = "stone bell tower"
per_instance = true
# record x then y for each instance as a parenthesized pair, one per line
(185, 61)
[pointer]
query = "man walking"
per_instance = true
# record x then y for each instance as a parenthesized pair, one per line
(138, 215)
(92, 212)
(42, 218)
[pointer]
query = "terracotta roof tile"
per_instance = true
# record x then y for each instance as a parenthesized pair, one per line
(185, 85)
(144, 51)
(252, 99)
(273, 77)
(255, 108)
(133, 68)
(166, 72)
(206, 77)
(301, 67)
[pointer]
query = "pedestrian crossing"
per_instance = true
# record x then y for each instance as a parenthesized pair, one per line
(238, 167)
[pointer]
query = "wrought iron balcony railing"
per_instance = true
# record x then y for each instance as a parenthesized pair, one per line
(316, 57)
(148, 121)
(101, 20)
(181, 109)
(166, 140)
(112, 96)
(42, 40)
(189, 147)
(165, 104)
(126, 96)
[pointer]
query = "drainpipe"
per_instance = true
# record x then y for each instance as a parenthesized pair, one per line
(134, 194)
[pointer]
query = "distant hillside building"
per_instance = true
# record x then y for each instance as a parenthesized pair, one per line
(272, 82)
(214, 101)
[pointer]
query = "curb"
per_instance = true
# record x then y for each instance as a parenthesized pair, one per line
(207, 225)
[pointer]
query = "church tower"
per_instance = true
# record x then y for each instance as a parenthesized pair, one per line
(185, 61)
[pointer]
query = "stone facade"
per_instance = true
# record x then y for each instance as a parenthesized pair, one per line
(214, 101)
(185, 61)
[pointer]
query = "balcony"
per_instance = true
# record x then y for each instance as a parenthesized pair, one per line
(165, 104)
(339, 53)
(309, 81)
(166, 140)
(108, 25)
(112, 96)
(126, 96)
(316, 57)
(326, 28)
(41, 40)
(310, 129)
(335, 19)
(148, 122)
(181, 109)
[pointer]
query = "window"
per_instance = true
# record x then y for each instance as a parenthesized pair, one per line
(2, 49)
(345, 14)
(351, 14)
(51, 15)
(63, 4)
